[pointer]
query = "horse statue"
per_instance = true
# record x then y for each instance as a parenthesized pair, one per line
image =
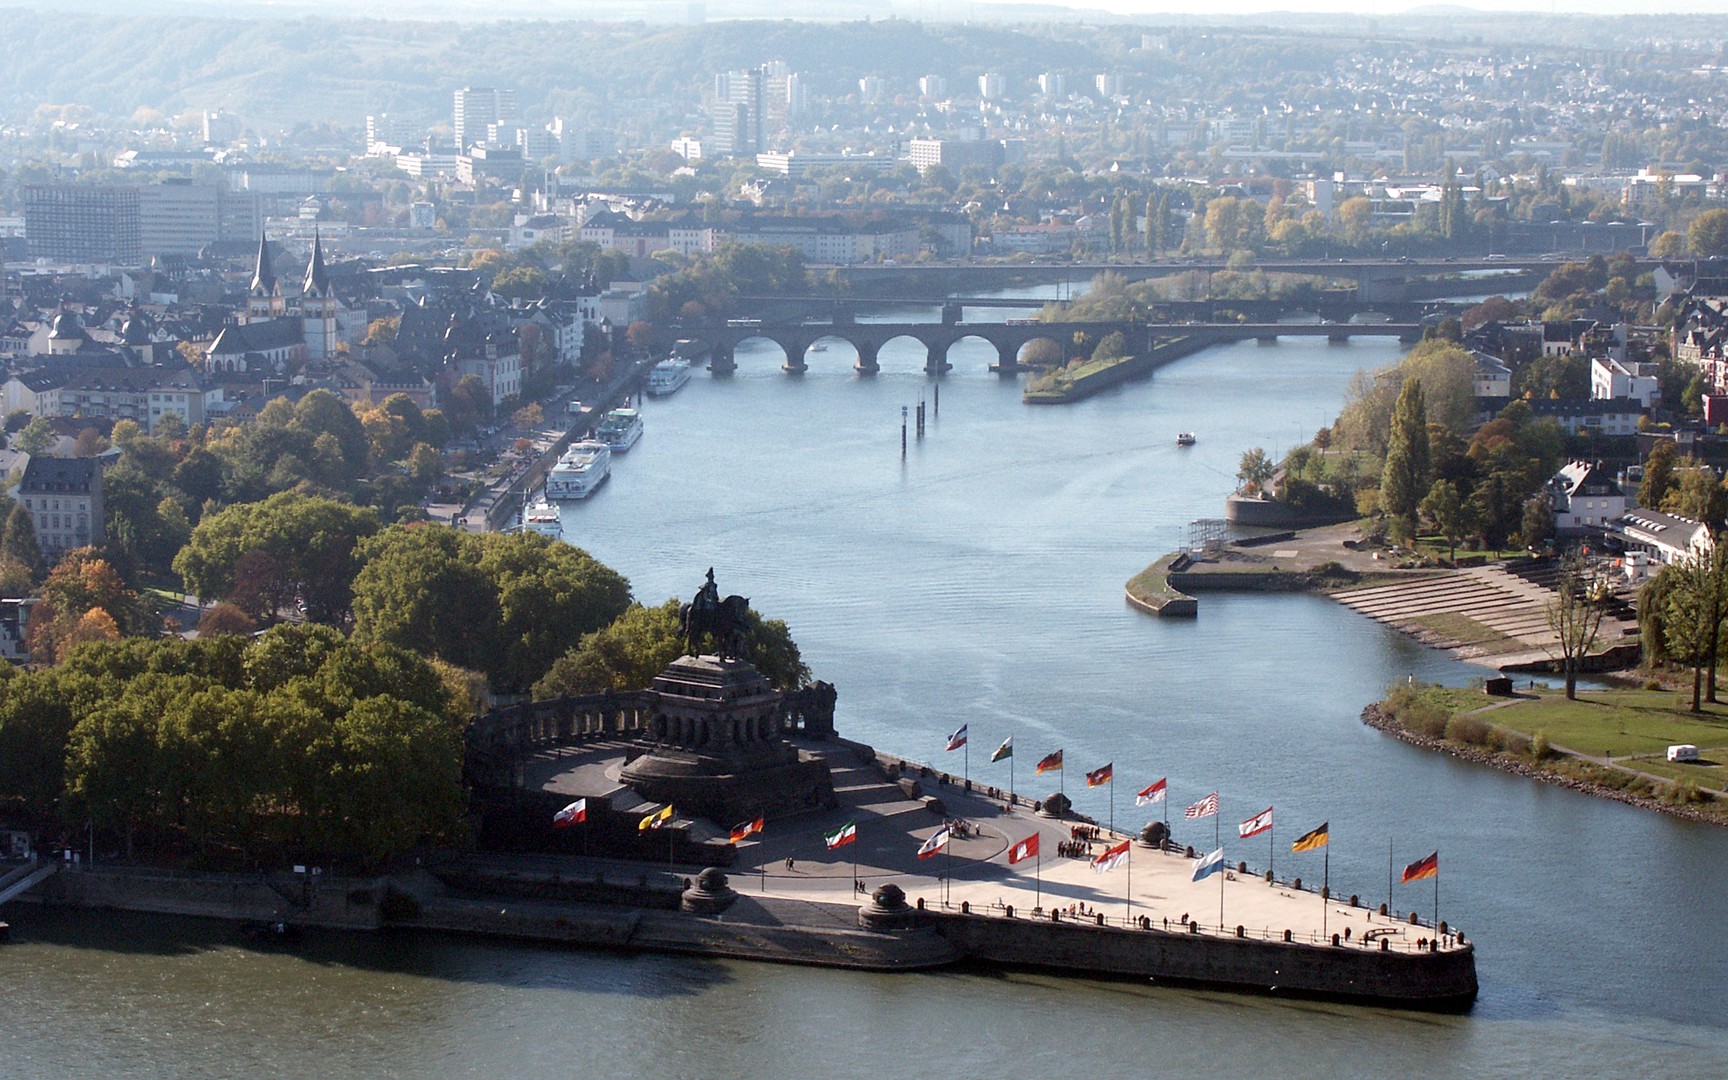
(726, 621)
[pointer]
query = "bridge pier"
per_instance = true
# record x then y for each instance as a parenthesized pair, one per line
(936, 360)
(794, 367)
(867, 364)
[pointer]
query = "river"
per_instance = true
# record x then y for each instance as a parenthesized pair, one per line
(978, 580)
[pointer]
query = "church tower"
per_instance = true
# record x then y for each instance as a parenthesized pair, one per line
(319, 306)
(264, 299)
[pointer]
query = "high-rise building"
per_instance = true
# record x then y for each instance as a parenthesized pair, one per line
(751, 107)
(870, 89)
(478, 106)
(990, 86)
(82, 222)
(220, 128)
(1108, 85)
(1053, 84)
(933, 86)
(382, 128)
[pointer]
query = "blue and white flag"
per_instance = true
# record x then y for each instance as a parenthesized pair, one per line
(958, 739)
(1210, 865)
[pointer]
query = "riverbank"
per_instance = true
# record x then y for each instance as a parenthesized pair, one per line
(1518, 737)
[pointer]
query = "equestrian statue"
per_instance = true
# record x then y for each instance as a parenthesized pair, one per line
(725, 621)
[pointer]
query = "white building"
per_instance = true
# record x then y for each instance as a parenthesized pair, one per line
(1586, 498)
(1491, 377)
(1665, 538)
(1611, 378)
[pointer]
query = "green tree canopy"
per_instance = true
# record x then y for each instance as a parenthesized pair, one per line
(287, 546)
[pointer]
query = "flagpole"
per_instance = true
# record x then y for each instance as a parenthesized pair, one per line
(1436, 923)
(1389, 877)
(1325, 887)
(1130, 889)
(854, 862)
(1038, 869)
(1112, 800)
(966, 761)
(948, 867)
(1272, 848)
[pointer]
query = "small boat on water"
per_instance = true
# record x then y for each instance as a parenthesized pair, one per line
(820, 346)
(667, 376)
(620, 429)
(580, 470)
(1185, 438)
(542, 517)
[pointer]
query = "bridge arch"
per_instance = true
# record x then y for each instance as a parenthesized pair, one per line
(834, 347)
(757, 348)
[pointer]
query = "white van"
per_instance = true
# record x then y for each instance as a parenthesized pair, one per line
(1683, 752)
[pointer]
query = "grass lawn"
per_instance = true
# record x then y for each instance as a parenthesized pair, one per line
(1624, 723)
(1464, 630)
(1152, 584)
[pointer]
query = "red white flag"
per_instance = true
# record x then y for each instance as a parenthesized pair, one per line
(574, 814)
(1024, 850)
(744, 830)
(1204, 808)
(1153, 794)
(936, 843)
(1112, 858)
(1255, 825)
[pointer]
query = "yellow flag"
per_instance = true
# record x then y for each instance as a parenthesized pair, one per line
(656, 819)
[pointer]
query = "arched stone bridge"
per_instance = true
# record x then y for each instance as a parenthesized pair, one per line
(1008, 339)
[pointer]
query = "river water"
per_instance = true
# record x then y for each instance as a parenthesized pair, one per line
(978, 580)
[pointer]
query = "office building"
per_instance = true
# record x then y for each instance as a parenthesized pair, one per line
(478, 106)
(82, 223)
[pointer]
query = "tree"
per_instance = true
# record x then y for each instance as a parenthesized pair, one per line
(309, 542)
(1658, 475)
(1446, 507)
(1255, 469)
(18, 539)
(419, 588)
(1708, 234)
(1574, 615)
(1354, 215)
(225, 618)
(1668, 245)
(528, 417)
(1694, 603)
(1407, 473)
(36, 438)
(1696, 494)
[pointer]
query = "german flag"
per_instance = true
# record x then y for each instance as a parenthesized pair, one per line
(1053, 763)
(1308, 841)
(656, 819)
(746, 830)
(1100, 777)
(1422, 868)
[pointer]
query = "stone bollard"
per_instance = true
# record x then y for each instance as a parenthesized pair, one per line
(1008, 911)
(1241, 868)
(1055, 915)
(1193, 928)
(1189, 851)
(1100, 918)
(1334, 939)
(1268, 877)
(1385, 945)
(1297, 884)
(1382, 909)
(1287, 936)
(1413, 920)
(1434, 945)
(1355, 901)
(1325, 892)
(965, 907)
(1241, 931)
(1443, 926)
(920, 903)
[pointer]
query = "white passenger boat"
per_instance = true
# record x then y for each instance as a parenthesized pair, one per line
(667, 376)
(542, 517)
(580, 470)
(1185, 438)
(620, 429)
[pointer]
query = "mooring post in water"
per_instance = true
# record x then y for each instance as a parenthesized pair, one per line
(937, 390)
(902, 431)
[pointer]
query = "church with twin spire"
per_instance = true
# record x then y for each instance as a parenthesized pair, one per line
(281, 332)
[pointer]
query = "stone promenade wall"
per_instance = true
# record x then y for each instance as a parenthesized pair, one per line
(342, 903)
(1389, 977)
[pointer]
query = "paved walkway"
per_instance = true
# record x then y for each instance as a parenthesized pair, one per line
(974, 869)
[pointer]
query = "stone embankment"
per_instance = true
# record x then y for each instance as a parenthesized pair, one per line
(1379, 721)
(1093, 381)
